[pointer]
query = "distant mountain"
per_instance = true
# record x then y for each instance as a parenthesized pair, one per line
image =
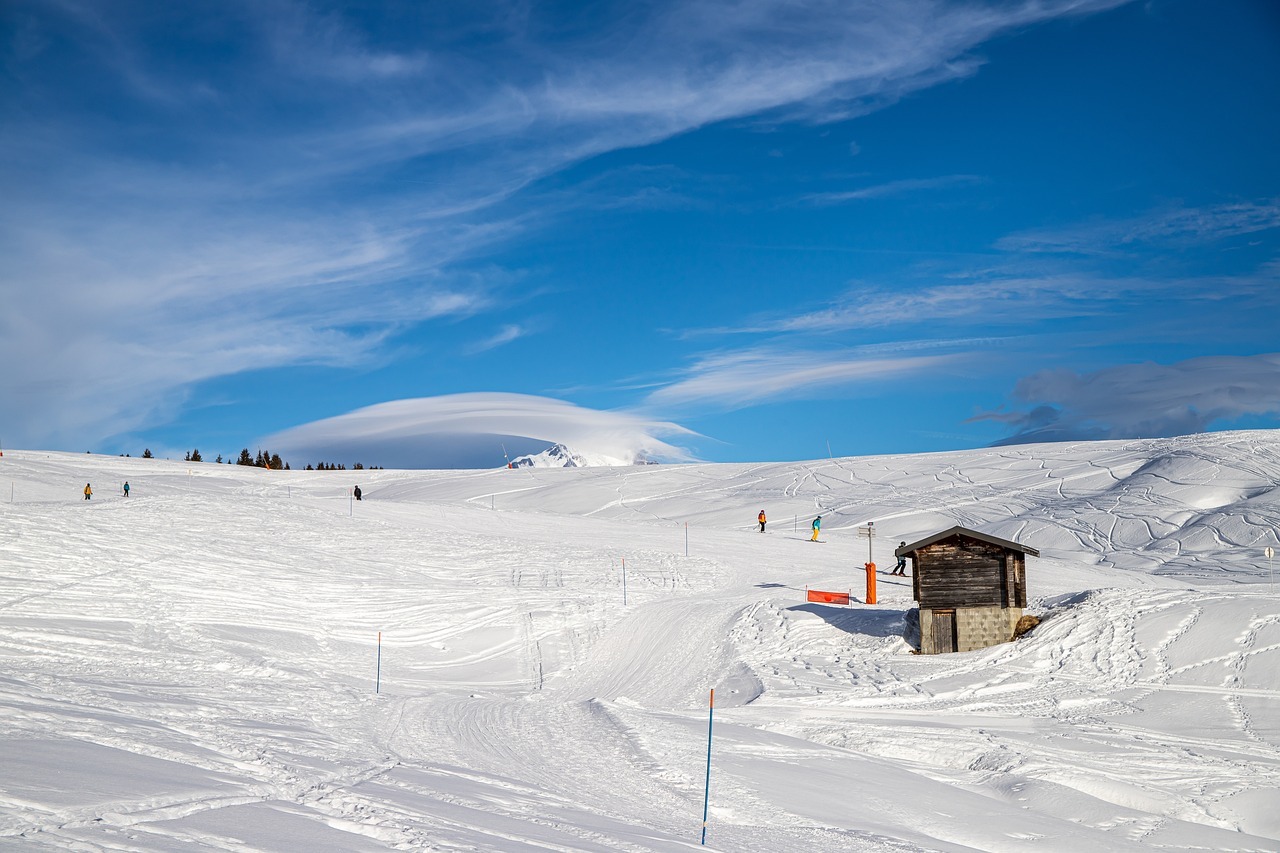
(559, 456)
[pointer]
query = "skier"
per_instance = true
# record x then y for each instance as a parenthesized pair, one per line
(88, 492)
(901, 568)
(126, 488)
(357, 492)
(760, 518)
(817, 528)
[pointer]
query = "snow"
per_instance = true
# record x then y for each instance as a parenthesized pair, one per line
(559, 456)
(197, 666)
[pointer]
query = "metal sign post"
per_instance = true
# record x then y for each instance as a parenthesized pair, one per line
(1271, 578)
(870, 532)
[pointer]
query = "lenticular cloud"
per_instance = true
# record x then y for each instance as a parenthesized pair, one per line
(474, 431)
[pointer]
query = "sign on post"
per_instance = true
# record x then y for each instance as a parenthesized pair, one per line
(823, 597)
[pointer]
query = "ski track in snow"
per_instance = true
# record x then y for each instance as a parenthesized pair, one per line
(193, 668)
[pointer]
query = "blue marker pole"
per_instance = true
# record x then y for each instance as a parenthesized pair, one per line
(706, 797)
(377, 684)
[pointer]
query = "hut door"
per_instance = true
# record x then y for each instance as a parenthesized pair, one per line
(944, 631)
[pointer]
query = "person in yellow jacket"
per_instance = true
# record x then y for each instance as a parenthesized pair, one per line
(88, 492)
(760, 518)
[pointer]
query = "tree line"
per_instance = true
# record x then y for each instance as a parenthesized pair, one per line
(267, 460)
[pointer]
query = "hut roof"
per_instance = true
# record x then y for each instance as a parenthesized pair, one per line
(973, 534)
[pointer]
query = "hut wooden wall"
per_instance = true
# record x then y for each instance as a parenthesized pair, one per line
(964, 572)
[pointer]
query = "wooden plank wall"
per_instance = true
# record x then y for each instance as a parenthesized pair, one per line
(964, 572)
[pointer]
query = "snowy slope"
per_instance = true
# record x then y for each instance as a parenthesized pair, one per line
(193, 668)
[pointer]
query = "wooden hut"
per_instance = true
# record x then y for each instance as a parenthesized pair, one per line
(972, 588)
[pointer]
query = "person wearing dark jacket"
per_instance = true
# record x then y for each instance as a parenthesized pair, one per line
(901, 568)
(357, 492)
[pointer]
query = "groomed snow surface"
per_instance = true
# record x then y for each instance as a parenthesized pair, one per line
(194, 667)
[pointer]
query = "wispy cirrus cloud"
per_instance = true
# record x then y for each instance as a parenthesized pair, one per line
(749, 377)
(1170, 226)
(1145, 400)
(894, 188)
(265, 185)
(508, 333)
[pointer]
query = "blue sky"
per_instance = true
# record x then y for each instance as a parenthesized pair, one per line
(742, 230)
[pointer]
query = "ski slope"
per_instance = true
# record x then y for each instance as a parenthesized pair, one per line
(197, 667)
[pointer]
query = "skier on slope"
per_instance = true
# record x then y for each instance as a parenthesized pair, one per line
(760, 518)
(88, 492)
(126, 488)
(817, 528)
(356, 492)
(901, 568)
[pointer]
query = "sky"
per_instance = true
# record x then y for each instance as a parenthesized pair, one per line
(733, 231)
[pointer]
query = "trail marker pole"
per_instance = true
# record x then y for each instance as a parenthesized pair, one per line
(870, 532)
(706, 797)
(1271, 578)
(377, 681)
(624, 581)
(686, 538)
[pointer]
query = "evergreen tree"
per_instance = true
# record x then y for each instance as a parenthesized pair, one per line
(276, 463)
(146, 454)
(195, 456)
(245, 458)
(218, 461)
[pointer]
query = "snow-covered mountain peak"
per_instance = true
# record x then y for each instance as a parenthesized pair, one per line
(560, 456)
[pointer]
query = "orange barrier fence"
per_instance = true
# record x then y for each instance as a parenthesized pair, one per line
(828, 597)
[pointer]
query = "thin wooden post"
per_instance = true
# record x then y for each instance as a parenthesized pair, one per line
(377, 683)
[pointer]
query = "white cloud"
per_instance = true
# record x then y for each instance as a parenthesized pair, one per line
(471, 430)
(1145, 400)
(1173, 226)
(505, 335)
(894, 188)
(748, 377)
